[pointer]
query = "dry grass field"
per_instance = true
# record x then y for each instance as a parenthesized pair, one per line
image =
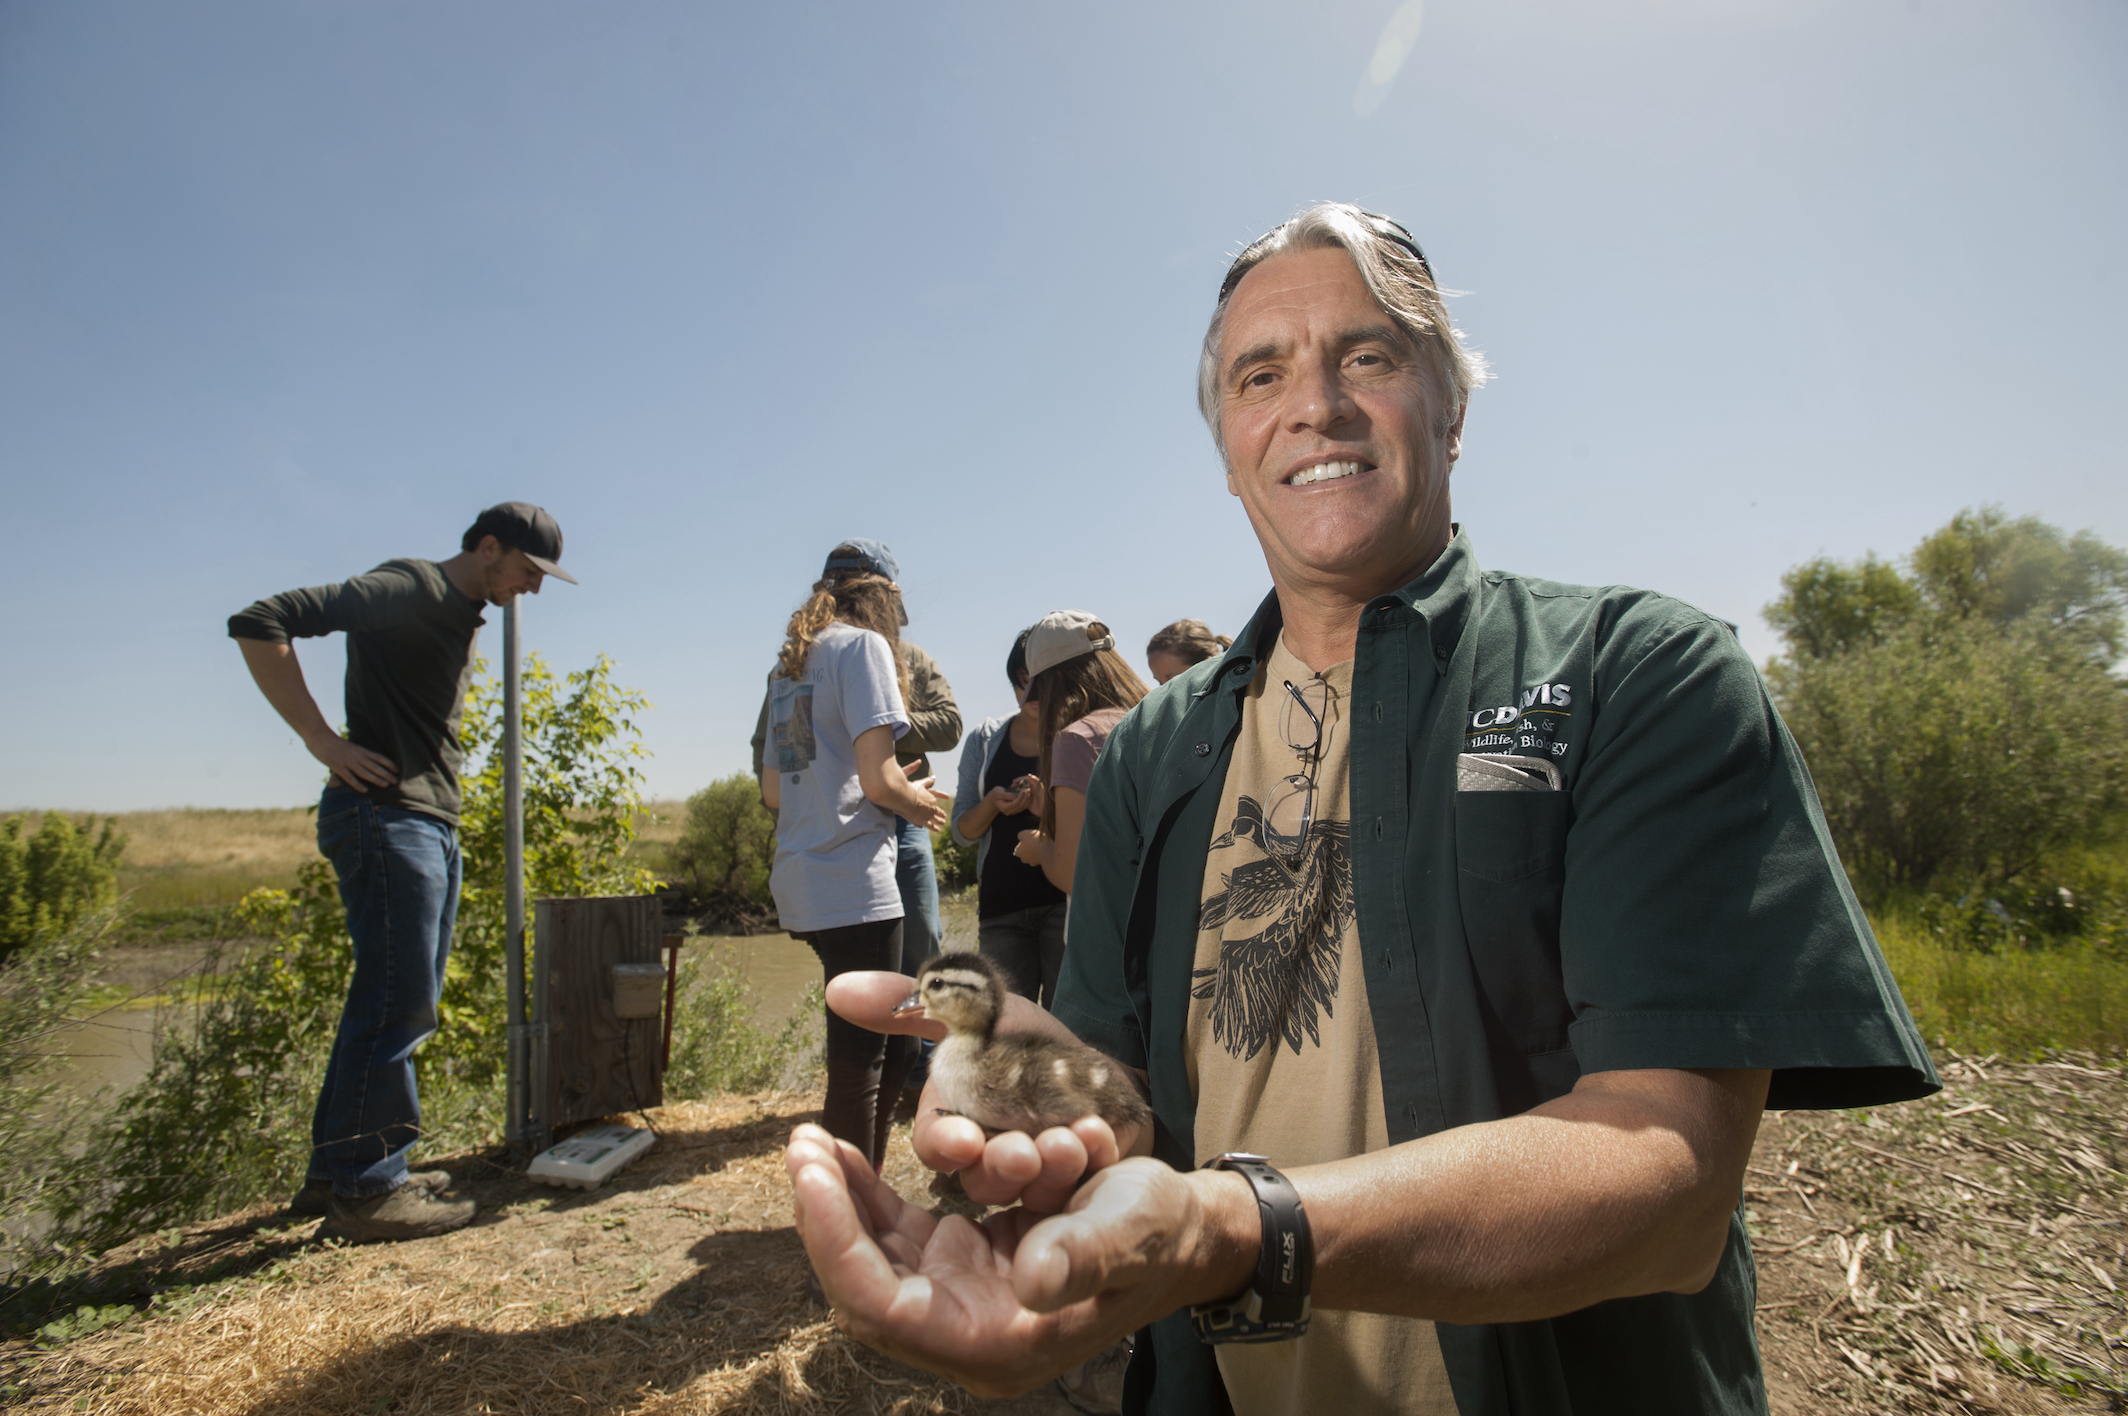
(205, 857)
(1963, 1254)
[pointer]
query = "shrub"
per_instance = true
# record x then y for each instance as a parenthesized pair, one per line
(956, 864)
(727, 844)
(717, 1043)
(52, 880)
(1957, 752)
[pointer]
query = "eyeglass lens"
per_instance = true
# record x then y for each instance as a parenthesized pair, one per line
(1291, 813)
(1301, 715)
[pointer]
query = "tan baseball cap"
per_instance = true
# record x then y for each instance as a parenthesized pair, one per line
(1062, 635)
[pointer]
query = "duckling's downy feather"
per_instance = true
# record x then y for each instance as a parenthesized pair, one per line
(1020, 1082)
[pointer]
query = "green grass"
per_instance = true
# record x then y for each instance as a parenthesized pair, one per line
(2016, 1002)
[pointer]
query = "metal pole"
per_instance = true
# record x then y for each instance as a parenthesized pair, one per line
(513, 875)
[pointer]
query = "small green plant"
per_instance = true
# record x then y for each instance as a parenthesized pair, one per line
(955, 863)
(717, 1044)
(55, 877)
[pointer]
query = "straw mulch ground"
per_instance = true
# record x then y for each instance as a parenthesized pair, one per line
(1962, 1254)
(677, 1287)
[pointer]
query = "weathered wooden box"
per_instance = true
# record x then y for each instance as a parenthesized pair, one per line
(588, 1061)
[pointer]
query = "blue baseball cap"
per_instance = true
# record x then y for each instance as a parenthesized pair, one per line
(872, 557)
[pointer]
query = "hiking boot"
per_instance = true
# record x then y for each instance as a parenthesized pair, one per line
(409, 1212)
(316, 1193)
(1095, 1386)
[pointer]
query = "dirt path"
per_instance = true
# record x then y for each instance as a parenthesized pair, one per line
(1963, 1254)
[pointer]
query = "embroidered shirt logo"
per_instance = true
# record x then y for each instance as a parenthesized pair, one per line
(1533, 724)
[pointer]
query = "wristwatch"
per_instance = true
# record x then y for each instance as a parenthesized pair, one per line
(1275, 1307)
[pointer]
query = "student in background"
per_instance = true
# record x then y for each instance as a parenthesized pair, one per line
(835, 710)
(1181, 645)
(1019, 913)
(934, 726)
(1083, 689)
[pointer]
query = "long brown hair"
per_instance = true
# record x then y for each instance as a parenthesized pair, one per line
(856, 598)
(1069, 691)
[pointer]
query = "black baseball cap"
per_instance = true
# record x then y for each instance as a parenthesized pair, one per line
(528, 528)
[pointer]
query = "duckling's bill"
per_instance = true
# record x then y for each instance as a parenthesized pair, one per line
(910, 1007)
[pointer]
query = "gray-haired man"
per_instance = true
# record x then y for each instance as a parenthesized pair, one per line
(1461, 924)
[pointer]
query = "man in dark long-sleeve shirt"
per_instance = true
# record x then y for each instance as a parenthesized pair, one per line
(388, 823)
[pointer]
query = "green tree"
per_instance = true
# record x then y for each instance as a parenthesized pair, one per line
(1959, 718)
(1828, 608)
(1985, 566)
(54, 878)
(582, 788)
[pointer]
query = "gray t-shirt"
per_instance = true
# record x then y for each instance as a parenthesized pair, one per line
(410, 639)
(834, 848)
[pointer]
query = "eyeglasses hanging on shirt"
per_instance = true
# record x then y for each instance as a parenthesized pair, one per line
(1291, 811)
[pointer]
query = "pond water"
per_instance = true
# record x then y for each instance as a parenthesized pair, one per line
(113, 1048)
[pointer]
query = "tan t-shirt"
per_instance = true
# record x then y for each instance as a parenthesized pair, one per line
(1281, 1044)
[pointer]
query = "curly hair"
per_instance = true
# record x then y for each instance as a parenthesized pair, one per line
(856, 598)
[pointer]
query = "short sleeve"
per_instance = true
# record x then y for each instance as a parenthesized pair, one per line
(1705, 919)
(1076, 748)
(868, 683)
(1093, 995)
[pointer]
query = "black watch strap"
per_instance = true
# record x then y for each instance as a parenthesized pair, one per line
(1275, 1307)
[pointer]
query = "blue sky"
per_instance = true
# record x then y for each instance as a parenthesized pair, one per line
(287, 289)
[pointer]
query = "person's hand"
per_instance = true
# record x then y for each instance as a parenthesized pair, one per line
(1033, 849)
(1006, 802)
(929, 811)
(1002, 1306)
(353, 766)
(1040, 1173)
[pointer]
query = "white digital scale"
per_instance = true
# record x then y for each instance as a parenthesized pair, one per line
(589, 1158)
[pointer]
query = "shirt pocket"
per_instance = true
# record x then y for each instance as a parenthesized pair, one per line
(1510, 874)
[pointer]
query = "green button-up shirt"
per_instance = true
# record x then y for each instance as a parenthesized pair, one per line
(1677, 903)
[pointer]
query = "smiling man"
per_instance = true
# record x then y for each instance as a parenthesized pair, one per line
(388, 823)
(1460, 924)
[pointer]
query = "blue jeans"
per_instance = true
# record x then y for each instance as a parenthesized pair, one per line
(917, 879)
(399, 876)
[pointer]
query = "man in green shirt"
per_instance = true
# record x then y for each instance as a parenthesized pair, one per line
(388, 823)
(1492, 911)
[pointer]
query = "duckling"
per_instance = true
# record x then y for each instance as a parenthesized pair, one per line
(1019, 1082)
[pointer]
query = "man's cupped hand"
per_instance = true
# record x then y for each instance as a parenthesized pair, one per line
(1004, 1305)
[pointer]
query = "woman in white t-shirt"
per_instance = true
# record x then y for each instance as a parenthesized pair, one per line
(837, 702)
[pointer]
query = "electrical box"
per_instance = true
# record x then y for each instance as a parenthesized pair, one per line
(638, 990)
(601, 1049)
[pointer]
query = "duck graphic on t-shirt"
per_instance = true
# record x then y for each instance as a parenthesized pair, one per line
(1279, 981)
